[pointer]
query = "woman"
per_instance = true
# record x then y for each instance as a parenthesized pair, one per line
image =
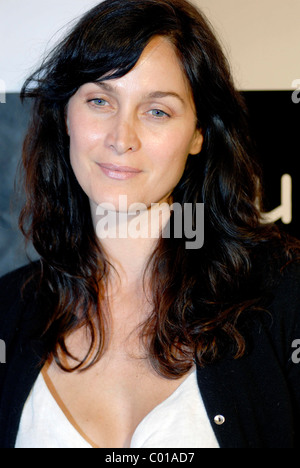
(138, 341)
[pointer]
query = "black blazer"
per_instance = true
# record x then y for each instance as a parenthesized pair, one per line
(252, 402)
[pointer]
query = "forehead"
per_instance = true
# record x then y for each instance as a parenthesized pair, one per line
(159, 49)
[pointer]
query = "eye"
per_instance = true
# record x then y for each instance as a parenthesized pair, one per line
(159, 114)
(98, 102)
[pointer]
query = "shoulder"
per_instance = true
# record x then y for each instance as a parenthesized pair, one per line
(286, 300)
(12, 284)
(17, 292)
(287, 289)
(279, 319)
(278, 271)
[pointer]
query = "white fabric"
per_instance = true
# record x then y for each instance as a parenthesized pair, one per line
(178, 422)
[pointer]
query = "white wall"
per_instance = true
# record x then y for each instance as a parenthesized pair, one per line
(261, 37)
(27, 29)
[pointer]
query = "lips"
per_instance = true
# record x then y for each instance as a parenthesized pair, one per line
(115, 168)
(117, 172)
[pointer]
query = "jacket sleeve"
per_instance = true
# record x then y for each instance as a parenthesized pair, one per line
(18, 317)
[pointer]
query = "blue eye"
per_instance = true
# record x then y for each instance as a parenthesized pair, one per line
(99, 102)
(158, 113)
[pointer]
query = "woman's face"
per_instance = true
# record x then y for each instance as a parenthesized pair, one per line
(132, 135)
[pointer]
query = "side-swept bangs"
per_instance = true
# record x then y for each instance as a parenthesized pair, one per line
(100, 46)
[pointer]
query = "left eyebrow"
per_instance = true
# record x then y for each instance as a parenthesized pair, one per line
(162, 94)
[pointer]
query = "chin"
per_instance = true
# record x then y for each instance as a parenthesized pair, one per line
(121, 202)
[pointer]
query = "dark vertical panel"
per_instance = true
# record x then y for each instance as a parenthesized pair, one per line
(13, 122)
(275, 126)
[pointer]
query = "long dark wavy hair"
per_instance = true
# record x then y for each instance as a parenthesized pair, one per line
(199, 296)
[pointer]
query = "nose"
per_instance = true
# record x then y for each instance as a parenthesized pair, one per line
(123, 136)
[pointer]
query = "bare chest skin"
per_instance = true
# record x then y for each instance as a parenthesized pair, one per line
(107, 402)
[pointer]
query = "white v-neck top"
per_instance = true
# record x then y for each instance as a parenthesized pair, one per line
(180, 421)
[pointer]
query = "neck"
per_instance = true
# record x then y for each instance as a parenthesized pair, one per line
(129, 239)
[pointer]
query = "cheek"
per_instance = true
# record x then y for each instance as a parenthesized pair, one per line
(166, 174)
(80, 149)
(169, 157)
(83, 138)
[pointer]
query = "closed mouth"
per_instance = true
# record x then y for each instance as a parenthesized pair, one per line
(116, 168)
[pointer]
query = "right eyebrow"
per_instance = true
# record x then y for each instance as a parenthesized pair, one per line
(108, 87)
